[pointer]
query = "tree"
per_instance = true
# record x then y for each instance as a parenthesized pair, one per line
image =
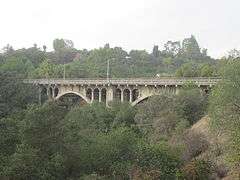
(124, 114)
(76, 69)
(44, 48)
(187, 70)
(155, 51)
(107, 46)
(94, 117)
(168, 62)
(197, 169)
(9, 139)
(14, 95)
(190, 104)
(114, 153)
(48, 70)
(41, 127)
(172, 48)
(206, 70)
(39, 154)
(25, 163)
(190, 48)
(158, 118)
(93, 146)
(224, 107)
(158, 161)
(64, 50)
(204, 52)
(234, 54)
(8, 49)
(32, 54)
(61, 44)
(18, 66)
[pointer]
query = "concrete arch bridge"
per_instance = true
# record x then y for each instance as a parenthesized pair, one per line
(132, 90)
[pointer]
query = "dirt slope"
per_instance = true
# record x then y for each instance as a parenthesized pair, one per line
(217, 143)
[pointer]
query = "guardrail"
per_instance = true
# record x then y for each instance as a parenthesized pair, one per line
(127, 81)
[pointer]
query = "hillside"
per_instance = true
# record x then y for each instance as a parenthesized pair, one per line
(217, 150)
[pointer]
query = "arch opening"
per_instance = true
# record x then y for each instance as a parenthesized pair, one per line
(103, 95)
(126, 95)
(118, 94)
(50, 92)
(135, 94)
(43, 94)
(89, 93)
(70, 100)
(56, 91)
(96, 94)
(172, 89)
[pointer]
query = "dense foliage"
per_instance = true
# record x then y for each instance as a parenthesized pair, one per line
(225, 105)
(49, 142)
(185, 59)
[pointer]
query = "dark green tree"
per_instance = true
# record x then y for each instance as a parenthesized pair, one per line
(224, 107)
(190, 48)
(190, 104)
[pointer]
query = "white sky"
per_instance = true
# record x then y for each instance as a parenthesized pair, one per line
(131, 24)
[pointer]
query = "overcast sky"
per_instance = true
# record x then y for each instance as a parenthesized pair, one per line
(131, 24)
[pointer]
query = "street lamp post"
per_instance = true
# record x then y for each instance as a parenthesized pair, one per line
(108, 68)
(108, 71)
(64, 71)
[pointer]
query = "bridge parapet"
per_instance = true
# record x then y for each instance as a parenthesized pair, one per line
(126, 81)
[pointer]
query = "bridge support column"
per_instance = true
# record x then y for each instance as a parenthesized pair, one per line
(109, 95)
(49, 95)
(53, 92)
(92, 96)
(100, 95)
(122, 95)
(177, 90)
(130, 94)
(40, 96)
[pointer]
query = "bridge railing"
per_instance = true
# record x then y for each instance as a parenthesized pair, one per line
(130, 81)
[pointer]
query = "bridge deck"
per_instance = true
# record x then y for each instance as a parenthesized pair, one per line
(127, 81)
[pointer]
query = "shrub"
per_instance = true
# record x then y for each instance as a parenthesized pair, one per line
(195, 143)
(221, 171)
(197, 170)
(158, 160)
(190, 104)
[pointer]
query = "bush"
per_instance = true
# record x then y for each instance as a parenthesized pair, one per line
(221, 171)
(190, 104)
(158, 160)
(195, 143)
(196, 170)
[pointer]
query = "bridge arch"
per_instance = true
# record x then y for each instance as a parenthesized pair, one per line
(73, 92)
(137, 101)
(143, 98)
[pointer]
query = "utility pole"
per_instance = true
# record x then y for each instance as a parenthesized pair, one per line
(64, 71)
(108, 71)
(108, 68)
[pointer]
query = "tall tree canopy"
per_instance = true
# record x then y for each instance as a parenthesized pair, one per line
(225, 106)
